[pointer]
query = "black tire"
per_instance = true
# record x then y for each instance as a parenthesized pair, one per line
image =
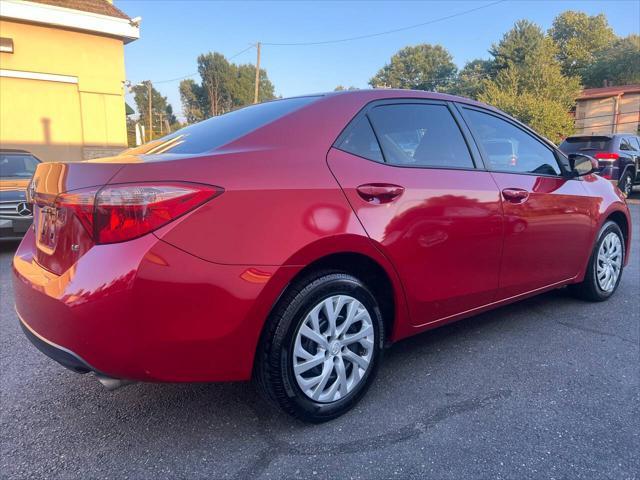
(625, 184)
(589, 289)
(273, 371)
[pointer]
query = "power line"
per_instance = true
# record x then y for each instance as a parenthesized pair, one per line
(342, 40)
(387, 32)
(196, 73)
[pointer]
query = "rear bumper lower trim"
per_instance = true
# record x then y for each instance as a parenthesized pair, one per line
(62, 355)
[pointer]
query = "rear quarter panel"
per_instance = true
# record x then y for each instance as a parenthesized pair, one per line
(281, 205)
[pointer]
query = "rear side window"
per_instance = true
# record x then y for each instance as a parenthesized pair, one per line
(218, 131)
(420, 135)
(509, 148)
(585, 144)
(361, 141)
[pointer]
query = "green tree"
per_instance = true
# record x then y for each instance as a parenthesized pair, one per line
(530, 84)
(195, 103)
(342, 88)
(216, 75)
(243, 85)
(580, 38)
(618, 65)
(162, 115)
(423, 67)
(471, 79)
(523, 41)
(224, 86)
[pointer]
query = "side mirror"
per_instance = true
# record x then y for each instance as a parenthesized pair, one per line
(582, 164)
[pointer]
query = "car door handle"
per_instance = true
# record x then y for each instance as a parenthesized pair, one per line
(515, 195)
(379, 193)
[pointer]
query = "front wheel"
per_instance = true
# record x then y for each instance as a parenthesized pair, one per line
(605, 265)
(321, 347)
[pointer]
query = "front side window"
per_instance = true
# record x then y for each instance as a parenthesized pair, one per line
(420, 135)
(507, 148)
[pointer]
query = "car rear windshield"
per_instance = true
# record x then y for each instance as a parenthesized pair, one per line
(585, 144)
(16, 165)
(217, 131)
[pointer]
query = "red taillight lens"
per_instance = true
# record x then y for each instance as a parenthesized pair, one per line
(80, 202)
(606, 156)
(116, 213)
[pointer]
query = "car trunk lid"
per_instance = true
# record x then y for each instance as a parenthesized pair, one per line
(61, 237)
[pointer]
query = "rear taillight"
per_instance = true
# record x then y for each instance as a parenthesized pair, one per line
(606, 156)
(116, 213)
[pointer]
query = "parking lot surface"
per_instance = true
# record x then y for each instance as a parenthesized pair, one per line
(546, 388)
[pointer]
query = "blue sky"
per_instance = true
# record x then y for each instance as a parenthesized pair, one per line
(174, 33)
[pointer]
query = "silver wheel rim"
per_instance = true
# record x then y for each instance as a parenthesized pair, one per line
(609, 262)
(333, 348)
(626, 185)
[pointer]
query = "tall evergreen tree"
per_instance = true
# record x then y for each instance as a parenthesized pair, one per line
(471, 79)
(524, 41)
(530, 84)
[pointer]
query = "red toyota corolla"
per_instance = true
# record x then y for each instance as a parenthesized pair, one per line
(290, 241)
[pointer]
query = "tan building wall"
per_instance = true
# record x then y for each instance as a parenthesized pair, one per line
(61, 92)
(598, 115)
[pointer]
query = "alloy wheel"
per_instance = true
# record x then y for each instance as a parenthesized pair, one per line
(626, 184)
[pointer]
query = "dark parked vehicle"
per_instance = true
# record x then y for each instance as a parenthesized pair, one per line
(618, 156)
(16, 169)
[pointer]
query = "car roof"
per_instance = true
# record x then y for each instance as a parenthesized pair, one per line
(15, 151)
(373, 94)
(606, 135)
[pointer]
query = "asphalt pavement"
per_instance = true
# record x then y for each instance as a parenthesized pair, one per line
(546, 388)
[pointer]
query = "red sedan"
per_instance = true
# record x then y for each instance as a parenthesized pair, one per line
(291, 241)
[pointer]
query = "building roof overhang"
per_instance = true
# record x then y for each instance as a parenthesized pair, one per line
(52, 15)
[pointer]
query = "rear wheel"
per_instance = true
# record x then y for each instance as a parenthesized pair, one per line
(625, 184)
(605, 265)
(321, 347)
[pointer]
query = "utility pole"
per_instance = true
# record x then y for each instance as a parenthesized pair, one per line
(149, 89)
(161, 120)
(255, 96)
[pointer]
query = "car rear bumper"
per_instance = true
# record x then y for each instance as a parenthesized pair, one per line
(145, 310)
(63, 356)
